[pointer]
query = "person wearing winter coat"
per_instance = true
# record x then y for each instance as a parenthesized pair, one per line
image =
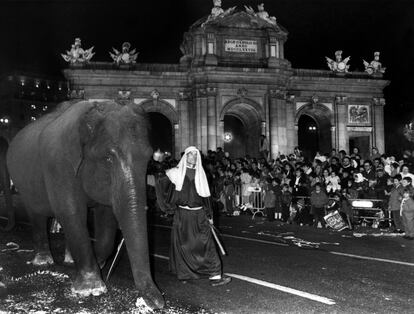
(318, 200)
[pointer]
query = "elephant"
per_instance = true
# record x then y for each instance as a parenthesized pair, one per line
(88, 155)
(5, 186)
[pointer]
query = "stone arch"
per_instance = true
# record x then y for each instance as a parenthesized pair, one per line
(163, 107)
(250, 114)
(166, 109)
(323, 117)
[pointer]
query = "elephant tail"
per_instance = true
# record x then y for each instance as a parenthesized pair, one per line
(6, 187)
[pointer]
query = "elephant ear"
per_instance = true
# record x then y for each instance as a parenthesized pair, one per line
(74, 128)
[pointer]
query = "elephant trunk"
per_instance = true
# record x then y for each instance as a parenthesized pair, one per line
(129, 202)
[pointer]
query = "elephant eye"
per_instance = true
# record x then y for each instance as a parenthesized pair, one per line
(109, 159)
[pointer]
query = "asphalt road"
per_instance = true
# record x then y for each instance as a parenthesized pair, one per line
(276, 268)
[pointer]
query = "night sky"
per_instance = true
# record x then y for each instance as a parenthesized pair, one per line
(34, 33)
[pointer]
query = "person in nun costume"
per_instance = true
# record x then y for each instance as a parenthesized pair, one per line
(193, 253)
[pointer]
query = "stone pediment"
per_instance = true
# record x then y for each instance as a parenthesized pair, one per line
(237, 19)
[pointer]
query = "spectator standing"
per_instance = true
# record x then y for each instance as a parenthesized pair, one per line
(394, 203)
(407, 214)
(405, 172)
(318, 200)
(269, 202)
(245, 179)
(286, 199)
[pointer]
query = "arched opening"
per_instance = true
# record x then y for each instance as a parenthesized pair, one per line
(308, 136)
(234, 136)
(242, 123)
(161, 132)
(314, 129)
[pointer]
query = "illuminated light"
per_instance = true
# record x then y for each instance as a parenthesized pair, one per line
(37, 84)
(362, 204)
(44, 108)
(22, 83)
(33, 107)
(33, 118)
(227, 137)
(6, 120)
(60, 88)
(1, 120)
(48, 86)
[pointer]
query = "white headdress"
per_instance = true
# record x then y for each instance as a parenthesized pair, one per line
(177, 174)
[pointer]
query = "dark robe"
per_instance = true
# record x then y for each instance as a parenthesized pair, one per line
(193, 252)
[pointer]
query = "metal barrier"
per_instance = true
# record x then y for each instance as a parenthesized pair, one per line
(369, 209)
(257, 201)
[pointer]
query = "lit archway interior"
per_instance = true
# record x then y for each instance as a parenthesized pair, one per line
(242, 122)
(314, 133)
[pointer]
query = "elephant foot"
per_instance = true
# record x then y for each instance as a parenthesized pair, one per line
(42, 259)
(68, 258)
(89, 284)
(152, 298)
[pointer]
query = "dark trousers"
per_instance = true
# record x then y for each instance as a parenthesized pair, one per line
(397, 219)
(318, 213)
(270, 213)
(285, 212)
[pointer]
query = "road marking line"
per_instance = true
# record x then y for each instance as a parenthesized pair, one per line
(236, 237)
(373, 258)
(299, 293)
(331, 252)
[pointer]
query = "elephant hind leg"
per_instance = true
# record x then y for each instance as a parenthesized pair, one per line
(105, 228)
(43, 256)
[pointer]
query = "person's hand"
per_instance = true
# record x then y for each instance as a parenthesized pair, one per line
(210, 220)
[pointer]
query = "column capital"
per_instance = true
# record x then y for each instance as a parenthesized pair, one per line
(340, 99)
(211, 91)
(124, 94)
(184, 95)
(201, 92)
(78, 93)
(277, 93)
(378, 101)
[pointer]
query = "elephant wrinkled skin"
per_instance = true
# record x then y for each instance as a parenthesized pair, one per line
(88, 155)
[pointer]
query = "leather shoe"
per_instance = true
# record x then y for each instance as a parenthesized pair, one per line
(220, 282)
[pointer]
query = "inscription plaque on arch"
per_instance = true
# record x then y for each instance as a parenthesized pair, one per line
(240, 45)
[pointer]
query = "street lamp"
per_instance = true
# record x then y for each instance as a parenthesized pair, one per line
(227, 137)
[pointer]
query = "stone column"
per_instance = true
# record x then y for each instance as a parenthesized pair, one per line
(220, 133)
(378, 123)
(184, 124)
(201, 119)
(281, 123)
(342, 122)
(277, 120)
(291, 133)
(211, 118)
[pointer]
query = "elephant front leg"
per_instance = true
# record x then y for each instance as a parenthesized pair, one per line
(43, 257)
(105, 228)
(88, 279)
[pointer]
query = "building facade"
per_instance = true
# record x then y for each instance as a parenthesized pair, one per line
(25, 96)
(233, 83)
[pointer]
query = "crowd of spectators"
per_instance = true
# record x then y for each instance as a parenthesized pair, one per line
(300, 190)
